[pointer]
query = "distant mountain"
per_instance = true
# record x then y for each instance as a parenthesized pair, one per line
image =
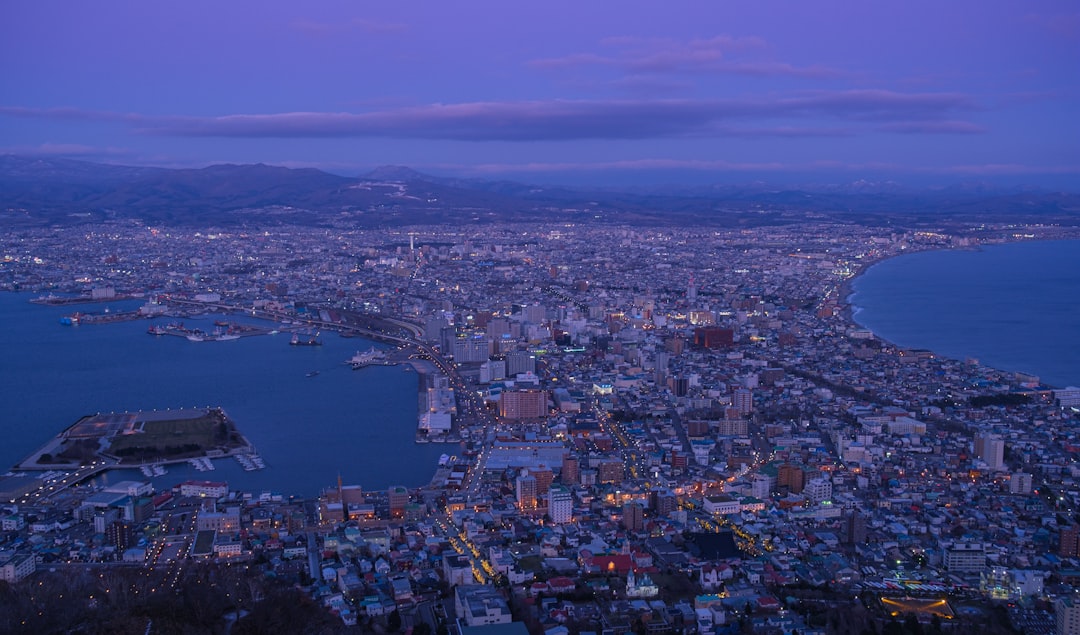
(48, 191)
(397, 174)
(17, 169)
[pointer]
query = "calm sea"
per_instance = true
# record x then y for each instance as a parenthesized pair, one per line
(359, 424)
(1015, 307)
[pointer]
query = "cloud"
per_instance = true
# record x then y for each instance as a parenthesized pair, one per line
(933, 127)
(50, 149)
(71, 114)
(701, 56)
(562, 120)
(1009, 169)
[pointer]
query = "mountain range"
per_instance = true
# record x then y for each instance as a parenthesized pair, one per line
(40, 191)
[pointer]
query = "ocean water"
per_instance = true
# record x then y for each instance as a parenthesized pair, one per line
(1014, 306)
(359, 424)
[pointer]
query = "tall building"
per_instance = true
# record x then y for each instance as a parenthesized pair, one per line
(743, 400)
(991, 449)
(761, 486)
(121, 535)
(664, 502)
(544, 477)
(818, 489)
(526, 492)
(1067, 615)
(16, 566)
(560, 504)
(697, 428)
(1020, 483)
(476, 348)
(792, 477)
(633, 516)
(660, 372)
(492, 370)
(534, 313)
(398, 497)
(965, 558)
(570, 470)
(520, 362)
(610, 471)
(679, 386)
(714, 337)
(854, 527)
(498, 327)
(523, 404)
(1069, 541)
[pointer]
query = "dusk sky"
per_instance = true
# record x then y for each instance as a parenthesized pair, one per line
(831, 92)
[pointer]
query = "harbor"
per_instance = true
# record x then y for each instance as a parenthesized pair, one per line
(271, 390)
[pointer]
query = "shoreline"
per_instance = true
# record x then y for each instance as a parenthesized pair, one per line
(847, 308)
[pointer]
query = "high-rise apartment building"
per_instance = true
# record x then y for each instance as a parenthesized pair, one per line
(792, 477)
(1069, 541)
(526, 492)
(523, 404)
(1067, 615)
(633, 516)
(991, 449)
(965, 558)
(560, 504)
(570, 470)
(610, 471)
(742, 399)
(398, 498)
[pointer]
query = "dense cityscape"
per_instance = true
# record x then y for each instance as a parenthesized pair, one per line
(647, 429)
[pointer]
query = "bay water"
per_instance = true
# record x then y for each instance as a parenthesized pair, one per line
(309, 429)
(1013, 306)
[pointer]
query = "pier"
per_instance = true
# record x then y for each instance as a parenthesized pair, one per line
(148, 441)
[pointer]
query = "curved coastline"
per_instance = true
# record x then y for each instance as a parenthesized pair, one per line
(849, 308)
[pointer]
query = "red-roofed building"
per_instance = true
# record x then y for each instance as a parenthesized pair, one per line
(768, 603)
(643, 559)
(620, 564)
(562, 584)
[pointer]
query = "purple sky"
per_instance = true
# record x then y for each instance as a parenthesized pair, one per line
(964, 90)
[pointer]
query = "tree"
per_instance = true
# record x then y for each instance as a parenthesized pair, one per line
(393, 622)
(912, 625)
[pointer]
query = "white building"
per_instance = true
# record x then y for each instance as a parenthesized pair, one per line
(722, 505)
(15, 567)
(1067, 615)
(560, 504)
(204, 489)
(965, 558)
(1068, 397)
(818, 489)
(478, 605)
(1020, 483)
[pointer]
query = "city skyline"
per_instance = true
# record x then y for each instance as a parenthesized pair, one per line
(920, 94)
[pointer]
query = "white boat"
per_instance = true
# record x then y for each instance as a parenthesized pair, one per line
(366, 358)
